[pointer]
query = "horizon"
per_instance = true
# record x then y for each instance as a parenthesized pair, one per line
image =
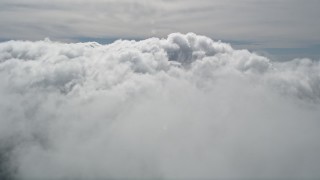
(282, 29)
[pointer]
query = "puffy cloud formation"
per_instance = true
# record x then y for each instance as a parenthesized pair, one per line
(181, 107)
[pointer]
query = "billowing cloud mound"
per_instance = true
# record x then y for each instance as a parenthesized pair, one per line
(181, 107)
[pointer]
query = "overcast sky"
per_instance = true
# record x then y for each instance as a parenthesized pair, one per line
(276, 26)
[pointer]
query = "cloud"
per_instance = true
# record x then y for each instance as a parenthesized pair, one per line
(180, 107)
(269, 23)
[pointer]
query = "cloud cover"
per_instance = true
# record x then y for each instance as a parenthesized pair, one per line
(181, 107)
(264, 23)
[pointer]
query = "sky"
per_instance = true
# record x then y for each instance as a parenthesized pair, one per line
(281, 28)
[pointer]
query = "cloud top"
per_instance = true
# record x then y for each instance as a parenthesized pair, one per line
(181, 107)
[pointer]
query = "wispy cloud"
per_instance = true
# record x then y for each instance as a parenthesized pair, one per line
(285, 23)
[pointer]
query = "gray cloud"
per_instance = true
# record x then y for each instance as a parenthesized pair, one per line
(274, 24)
(181, 107)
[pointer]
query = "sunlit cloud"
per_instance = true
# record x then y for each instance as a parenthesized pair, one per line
(184, 106)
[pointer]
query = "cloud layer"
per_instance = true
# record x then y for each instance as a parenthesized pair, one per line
(258, 24)
(181, 107)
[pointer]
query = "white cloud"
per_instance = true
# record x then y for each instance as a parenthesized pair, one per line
(184, 106)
